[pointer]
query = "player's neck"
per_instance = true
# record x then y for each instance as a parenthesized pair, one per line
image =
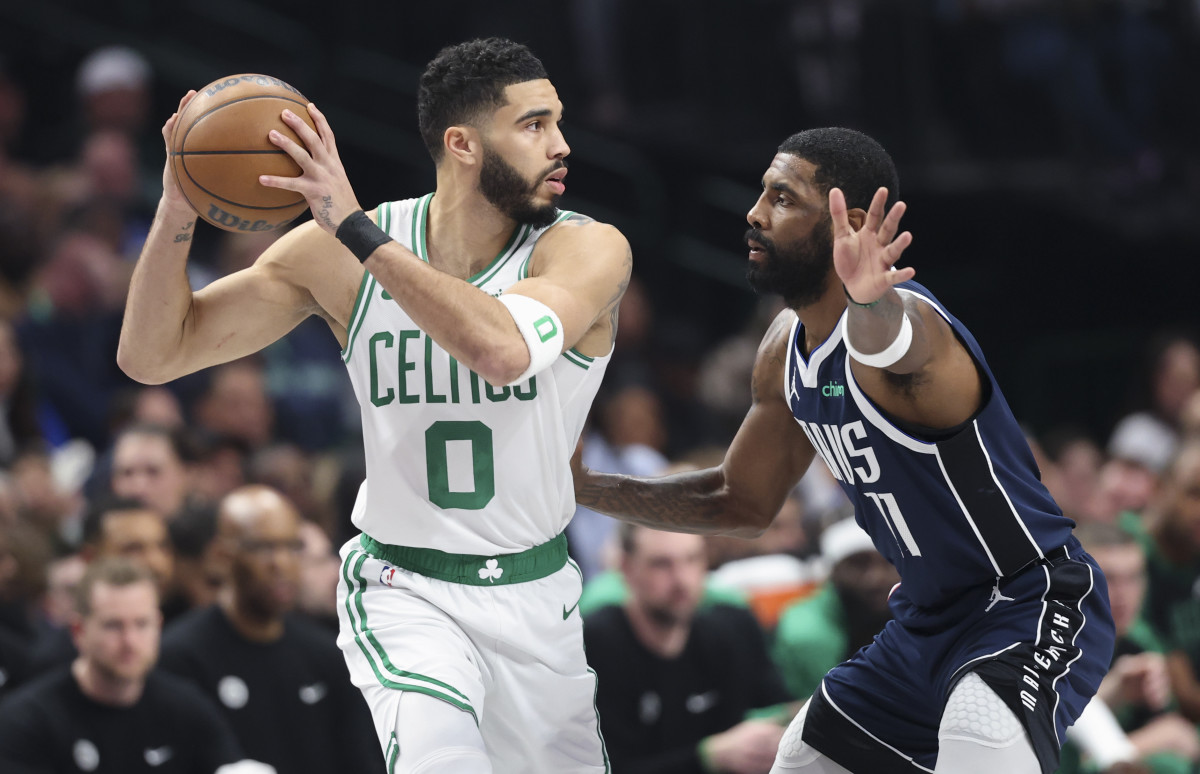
(104, 688)
(251, 624)
(821, 316)
(465, 232)
(665, 640)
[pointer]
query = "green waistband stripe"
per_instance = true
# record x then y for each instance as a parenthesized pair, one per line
(471, 569)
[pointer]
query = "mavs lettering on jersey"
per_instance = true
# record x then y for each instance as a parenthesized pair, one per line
(951, 513)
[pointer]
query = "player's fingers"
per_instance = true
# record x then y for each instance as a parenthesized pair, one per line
(837, 213)
(897, 247)
(875, 212)
(311, 139)
(286, 183)
(288, 146)
(891, 224)
(323, 128)
(186, 99)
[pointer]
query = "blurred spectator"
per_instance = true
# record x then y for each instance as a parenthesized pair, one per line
(628, 437)
(279, 679)
(1168, 378)
(63, 574)
(775, 573)
(109, 712)
(44, 501)
(289, 469)
(1173, 564)
(1138, 453)
(69, 335)
(19, 427)
(816, 634)
(198, 569)
(724, 381)
(319, 570)
(152, 463)
(130, 528)
(218, 466)
(1137, 688)
(131, 406)
(676, 680)
(235, 404)
(1072, 469)
(17, 622)
(113, 84)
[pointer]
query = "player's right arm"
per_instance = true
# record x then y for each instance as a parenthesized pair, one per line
(743, 494)
(169, 331)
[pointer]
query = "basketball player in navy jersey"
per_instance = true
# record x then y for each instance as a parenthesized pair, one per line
(1001, 629)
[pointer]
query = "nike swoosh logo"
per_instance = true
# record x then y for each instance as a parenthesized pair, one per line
(566, 612)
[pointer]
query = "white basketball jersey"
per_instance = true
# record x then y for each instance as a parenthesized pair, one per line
(453, 463)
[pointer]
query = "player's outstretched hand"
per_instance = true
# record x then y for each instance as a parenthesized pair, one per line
(322, 182)
(863, 259)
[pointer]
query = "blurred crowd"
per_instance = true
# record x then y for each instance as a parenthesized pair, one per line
(712, 641)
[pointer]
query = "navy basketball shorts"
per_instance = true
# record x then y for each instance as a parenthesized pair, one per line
(1043, 643)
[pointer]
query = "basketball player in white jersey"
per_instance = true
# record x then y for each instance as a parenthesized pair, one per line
(476, 323)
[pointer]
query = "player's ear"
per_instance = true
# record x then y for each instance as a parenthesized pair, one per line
(857, 218)
(462, 143)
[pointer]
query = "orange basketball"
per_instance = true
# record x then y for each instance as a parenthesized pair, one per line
(219, 147)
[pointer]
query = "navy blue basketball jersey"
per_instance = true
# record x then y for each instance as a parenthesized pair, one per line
(950, 514)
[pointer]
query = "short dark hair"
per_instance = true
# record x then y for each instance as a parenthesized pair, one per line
(99, 510)
(849, 160)
(112, 571)
(467, 79)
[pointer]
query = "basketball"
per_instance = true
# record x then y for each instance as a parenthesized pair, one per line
(219, 147)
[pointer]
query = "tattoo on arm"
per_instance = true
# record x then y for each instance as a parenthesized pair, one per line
(323, 213)
(615, 302)
(686, 502)
(184, 236)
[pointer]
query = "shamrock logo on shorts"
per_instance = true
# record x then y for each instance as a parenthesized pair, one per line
(492, 571)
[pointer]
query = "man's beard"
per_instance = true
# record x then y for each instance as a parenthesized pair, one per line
(797, 272)
(502, 185)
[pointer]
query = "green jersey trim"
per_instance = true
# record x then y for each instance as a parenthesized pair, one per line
(391, 753)
(358, 313)
(472, 569)
(524, 272)
(375, 654)
(578, 358)
(515, 243)
(419, 230)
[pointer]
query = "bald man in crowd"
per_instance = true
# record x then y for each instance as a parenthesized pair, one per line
(278, 677)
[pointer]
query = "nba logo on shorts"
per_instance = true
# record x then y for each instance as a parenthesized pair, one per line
(385, 576)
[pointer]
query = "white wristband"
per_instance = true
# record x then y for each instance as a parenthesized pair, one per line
(889, 356)
(541, 329)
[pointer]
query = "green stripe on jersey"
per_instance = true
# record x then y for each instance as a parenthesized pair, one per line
(579, 359)
(357, 313)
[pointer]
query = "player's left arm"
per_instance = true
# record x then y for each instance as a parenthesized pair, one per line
(580, 274)
(904, 353)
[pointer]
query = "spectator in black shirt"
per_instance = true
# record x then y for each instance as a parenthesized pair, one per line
(677, 680)
(108, 713)
(278, 678)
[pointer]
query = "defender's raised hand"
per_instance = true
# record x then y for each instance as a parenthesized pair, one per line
(863, 259)
(323, 182)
